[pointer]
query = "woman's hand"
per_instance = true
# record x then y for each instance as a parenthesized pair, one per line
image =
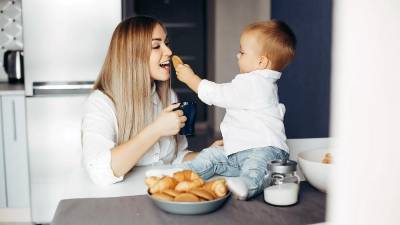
(169, 122)
(218, 143)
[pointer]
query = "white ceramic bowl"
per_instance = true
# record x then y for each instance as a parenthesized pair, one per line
(316, 172)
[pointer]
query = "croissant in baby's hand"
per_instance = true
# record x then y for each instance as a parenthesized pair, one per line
(176, 61)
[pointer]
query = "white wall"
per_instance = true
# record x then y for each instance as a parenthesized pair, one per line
(231, 16)
(366, 113)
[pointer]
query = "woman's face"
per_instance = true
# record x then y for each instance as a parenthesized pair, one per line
(160, 56)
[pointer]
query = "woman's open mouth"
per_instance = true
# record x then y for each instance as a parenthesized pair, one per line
(166, 65)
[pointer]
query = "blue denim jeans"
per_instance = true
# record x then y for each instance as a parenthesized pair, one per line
(250, 165)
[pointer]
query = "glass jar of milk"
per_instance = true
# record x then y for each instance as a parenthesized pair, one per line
(282, 183)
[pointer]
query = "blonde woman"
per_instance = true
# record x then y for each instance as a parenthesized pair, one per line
(129, 119)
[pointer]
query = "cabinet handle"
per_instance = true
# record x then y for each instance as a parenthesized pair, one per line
(14, 121)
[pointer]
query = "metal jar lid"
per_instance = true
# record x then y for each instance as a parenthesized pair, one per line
(282, 166)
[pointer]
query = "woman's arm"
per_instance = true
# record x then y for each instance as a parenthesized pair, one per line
(126, 155)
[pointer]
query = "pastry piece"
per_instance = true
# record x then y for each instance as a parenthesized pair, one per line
(176, 61)
(186, 197)
(163, 184)
(163, 196)
(161, 172)
(150, 181)
(327, 158)
(184, 186)
(203, 193)
(186, 175)
(217, 186)
(171, 192)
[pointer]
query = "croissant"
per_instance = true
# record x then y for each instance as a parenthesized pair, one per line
(186, 175)
(327, 158)
(176, 61)
(163, 184)
(187, 185)
(150, 181)
(217, 186)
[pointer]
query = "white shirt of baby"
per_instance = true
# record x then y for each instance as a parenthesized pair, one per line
(254, 116)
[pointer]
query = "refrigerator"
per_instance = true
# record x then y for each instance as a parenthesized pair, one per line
(65, 43)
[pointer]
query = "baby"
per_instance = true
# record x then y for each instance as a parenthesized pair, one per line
(252, 129)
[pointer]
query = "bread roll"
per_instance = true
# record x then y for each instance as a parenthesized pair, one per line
(163, 184)
(171, 192)
(217, 186)
(150, 181)
(327, 158)
(184, 186)
(186, 175)
(176, 61)
(186, 197)
(203, 193)
(163, 196)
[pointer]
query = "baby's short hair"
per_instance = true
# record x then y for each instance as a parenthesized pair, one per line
(278, 41)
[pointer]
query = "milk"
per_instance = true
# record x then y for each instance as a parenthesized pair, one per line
(282, 194)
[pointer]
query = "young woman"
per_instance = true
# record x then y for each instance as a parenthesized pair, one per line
(129, 119)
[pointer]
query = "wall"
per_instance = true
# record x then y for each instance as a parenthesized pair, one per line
(304, 87)
(10, 30)
(230, 16)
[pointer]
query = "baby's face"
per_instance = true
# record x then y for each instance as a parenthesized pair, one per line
(250, 52)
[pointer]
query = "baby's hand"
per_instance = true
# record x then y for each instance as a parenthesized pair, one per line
(184, 73)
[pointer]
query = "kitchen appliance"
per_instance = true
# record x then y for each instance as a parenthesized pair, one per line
(283, 183)
(65, 43)
(13, 62)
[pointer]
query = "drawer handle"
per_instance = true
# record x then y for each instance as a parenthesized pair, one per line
(14, 120)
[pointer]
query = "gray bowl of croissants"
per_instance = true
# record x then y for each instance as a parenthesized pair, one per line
(185, 192)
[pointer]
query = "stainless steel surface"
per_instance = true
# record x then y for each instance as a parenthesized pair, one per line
(73, 87)
(66, 40)
(190, 208)
(282, 166)
(65, 43)
(53, 125)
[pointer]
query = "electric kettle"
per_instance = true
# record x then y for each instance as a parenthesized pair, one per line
(13, 63)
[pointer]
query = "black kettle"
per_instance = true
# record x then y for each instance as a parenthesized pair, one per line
(14, 66)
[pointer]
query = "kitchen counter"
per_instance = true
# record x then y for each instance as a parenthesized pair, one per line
(11, 89)
(133, 207)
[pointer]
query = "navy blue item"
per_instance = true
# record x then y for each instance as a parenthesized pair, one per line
(189, 110)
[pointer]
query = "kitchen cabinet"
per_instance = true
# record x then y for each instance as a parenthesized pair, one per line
(14, 174)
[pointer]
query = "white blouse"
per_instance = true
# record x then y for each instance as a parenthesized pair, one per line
(99, 137)
(254, 116)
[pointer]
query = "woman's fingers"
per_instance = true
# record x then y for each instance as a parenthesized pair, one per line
(179, 112)
(182, 119)
(170, 108)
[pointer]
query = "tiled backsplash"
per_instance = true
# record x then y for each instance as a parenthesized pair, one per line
(11, 30)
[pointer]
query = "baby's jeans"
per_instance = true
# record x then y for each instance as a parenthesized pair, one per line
(250, 165)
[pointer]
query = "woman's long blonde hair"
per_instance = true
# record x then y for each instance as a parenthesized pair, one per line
(125, 76)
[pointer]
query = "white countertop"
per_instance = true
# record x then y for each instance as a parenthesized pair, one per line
(11, 89)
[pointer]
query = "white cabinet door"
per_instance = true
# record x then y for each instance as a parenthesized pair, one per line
(3, 193)
(15, 151)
